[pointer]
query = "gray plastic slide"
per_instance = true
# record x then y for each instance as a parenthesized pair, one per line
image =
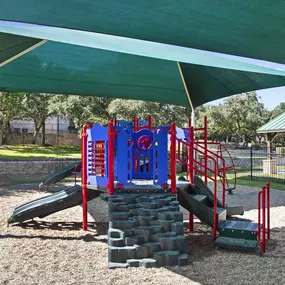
(48, 205)
(61, 173)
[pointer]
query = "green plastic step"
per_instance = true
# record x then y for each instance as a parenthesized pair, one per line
(236, 243)
(238, 229)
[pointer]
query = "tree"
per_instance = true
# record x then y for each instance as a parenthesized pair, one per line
(80, 109)
(10, 106)
(278, 110)
(163, 114)
(36, 106)
(238, 117)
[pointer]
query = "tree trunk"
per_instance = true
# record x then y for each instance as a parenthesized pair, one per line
(1, 137)
(37, 129)
(43, 137)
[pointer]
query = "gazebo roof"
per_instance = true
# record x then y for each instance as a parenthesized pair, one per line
(277, 125)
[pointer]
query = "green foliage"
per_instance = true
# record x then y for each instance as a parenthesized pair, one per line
(10, 107)
(81, 109)
(162, 114)
(238, 117)
(278, 110)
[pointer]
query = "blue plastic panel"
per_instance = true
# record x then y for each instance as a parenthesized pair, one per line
(123, 161)
(160, 155)
(142, 158)
(97, 154)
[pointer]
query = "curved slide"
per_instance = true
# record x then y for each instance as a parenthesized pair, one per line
(48, 205)
(61, 173)
(199, 200)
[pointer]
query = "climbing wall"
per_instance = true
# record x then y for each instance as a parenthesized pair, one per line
(146, 230)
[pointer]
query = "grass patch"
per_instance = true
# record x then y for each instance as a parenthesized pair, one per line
(243, 178)
(35, 152)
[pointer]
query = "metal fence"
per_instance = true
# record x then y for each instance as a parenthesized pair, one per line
(267, 166)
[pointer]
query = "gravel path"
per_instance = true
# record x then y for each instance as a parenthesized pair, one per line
(54, 250)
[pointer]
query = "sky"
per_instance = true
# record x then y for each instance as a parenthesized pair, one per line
(269, 97)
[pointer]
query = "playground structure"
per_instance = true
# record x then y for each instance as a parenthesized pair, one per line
(131, 162)
(114, 156)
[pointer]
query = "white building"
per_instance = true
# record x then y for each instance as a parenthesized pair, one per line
(27, 126)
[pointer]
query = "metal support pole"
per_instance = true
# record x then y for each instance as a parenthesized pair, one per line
(268, 210)
(173, 157)
(206, 149)
(84, 177)
(191, 156)
(191, 222)
(263, 219)
(149, 120)
(57, 130)
(111, 160)
(251, 163)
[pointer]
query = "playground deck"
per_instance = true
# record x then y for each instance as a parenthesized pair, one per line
(44, 252)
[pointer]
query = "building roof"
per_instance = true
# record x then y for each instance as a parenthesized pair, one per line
(277, 125)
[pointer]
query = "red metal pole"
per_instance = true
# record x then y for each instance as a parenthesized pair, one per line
(191, 222)
(206, 149)
(84, 177)
(263, 219)
(259, 210)
(173, 157)
(215, 206)
(149, 119)
(268, 210)
(111, 151)
(223, 184)
(135, 124)
(191, 156)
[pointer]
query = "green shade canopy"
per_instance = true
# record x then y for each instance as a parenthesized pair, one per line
(277, 125)
(85, 59)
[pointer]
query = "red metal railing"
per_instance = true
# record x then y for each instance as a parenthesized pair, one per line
(137, 126)
(84, 176)
(264, 216)
(220, 172)
(192, 165)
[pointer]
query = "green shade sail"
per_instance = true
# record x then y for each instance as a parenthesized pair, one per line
(277, 125)
(239, 27)
(86, 60)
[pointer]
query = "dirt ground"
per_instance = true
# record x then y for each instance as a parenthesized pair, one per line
(55, 250)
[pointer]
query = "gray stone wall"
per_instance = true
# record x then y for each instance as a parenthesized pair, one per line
(27, 138)
(30, 167)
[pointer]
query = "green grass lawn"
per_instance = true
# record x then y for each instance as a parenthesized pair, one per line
(35, 152)
(243, 178)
